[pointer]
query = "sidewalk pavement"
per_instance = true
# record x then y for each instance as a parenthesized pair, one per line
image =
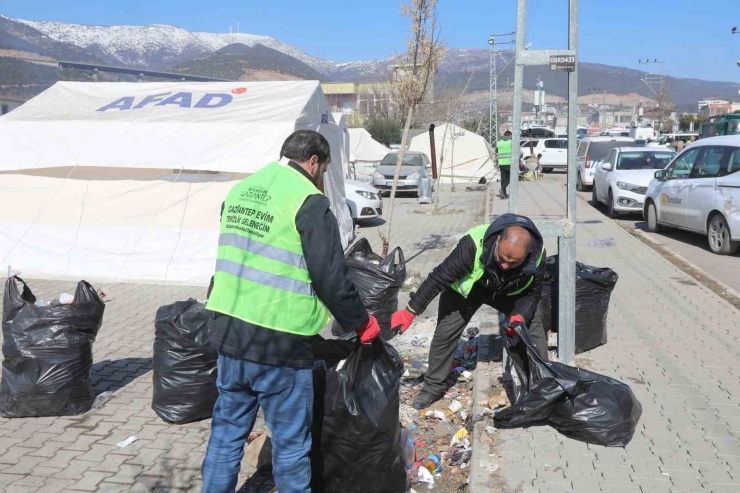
(79, 453)
(674, 342)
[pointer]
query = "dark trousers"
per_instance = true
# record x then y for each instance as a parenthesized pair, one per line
(505, 174)
(454, 314)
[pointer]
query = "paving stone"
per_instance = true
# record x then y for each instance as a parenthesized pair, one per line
(89, 481)
(126, 474)
(55, 485)
(77, 469)
(25, 465)
(32, 481)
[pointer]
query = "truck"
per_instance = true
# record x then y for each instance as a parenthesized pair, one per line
(721, 125)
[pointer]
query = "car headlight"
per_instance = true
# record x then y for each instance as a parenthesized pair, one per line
(413, 176)
(628, 186)
(378, 176)
(367, 195)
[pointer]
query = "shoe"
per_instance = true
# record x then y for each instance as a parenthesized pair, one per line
(424, 400)
(506, 195)
(502, 194)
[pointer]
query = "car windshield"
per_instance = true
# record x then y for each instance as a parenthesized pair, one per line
(598, 150)
(408, 159)
(644, 160)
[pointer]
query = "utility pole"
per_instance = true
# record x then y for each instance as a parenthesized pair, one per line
(493, 73)
(656, 83)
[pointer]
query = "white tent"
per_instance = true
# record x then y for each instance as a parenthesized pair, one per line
(340, 121)
(124, 181)
(365, 152)
(466, 157)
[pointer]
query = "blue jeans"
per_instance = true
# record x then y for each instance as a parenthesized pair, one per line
(286, 395)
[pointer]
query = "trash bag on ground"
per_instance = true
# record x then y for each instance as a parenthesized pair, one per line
(47, 352)
(580, 404)
(594, 286)
(378, 282)
(184, 363)
(356, 430)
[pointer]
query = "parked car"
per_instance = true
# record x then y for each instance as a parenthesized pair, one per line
(591, 152)
(554, 154)
(537, 132)
(414, 167)
(698, 192)
(364, 201)
(622, 180)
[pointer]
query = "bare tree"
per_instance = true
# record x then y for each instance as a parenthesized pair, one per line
(411, 76)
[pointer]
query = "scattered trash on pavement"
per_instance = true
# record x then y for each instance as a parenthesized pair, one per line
(127, 442)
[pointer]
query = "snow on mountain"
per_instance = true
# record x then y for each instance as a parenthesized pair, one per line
(152, 46)
(218, 41)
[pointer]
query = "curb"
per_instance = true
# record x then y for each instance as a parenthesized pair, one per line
(480, 478)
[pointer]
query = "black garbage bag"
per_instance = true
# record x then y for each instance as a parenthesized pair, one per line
(594, 286)
(356, 430)
(378, 282)
(47, 352)
(580, 404)
(184, 363)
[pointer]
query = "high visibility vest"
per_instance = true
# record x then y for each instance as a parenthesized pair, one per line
(465, 285)
(504, 152)
(261, 275)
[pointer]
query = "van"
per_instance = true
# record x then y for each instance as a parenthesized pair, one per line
(591, 152)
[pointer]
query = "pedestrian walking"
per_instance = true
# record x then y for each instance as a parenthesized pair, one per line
(503, 153)
(501, 265)
(280, 272)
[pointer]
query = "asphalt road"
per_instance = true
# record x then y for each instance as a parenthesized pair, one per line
(692, 247)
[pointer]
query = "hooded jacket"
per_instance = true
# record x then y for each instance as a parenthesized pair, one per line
(496, 281)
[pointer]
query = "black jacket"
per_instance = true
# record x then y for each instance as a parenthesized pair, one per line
(327, 267)
(496, 280)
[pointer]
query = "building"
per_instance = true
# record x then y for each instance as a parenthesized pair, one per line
(714, 107)
(357, 100)
(9, 104)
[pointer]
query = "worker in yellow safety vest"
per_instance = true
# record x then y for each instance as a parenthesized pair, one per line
(280, 274)
(501, 265)
(503, 152)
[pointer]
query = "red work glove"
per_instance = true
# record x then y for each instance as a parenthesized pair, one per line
(402, 319)
(369, 331)
(516, 321)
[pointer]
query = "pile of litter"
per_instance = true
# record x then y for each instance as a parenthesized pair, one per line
(437, 440)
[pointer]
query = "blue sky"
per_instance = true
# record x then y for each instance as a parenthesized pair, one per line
(693, 38)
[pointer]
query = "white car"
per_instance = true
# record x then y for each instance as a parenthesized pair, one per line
(593, 150)
(364, 200)
(622, 180)
(700, 191)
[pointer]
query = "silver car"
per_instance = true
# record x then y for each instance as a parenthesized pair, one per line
(414, 168)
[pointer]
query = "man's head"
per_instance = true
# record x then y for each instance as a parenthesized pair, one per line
(310, 150)
(693, 138)
(507, 134)
(512, 247)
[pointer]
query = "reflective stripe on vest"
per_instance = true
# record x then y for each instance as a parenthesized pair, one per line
(261, 273)
(504, 152)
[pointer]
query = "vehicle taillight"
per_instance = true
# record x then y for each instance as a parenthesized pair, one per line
(588, 162)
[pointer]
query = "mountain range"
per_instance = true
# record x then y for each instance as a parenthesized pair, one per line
(235, 56)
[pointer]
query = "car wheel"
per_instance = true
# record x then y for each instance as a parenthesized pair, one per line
(720, 239)
(652, 218)
(594, 199)
(579, 184)
(547, 170)
(349, 208)
(610, 207)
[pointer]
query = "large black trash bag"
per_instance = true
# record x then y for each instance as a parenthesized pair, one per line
(594, 286)
(580, 404)
(378, 282)
(184, 363)
(48, 352)
(356, 430)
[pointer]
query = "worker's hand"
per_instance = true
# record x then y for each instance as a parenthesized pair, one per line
(515, 322)
(402, 319)
(369, 331)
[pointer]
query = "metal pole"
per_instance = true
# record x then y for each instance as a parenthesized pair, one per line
(492, 110)
(521, 14)
(567, 242)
